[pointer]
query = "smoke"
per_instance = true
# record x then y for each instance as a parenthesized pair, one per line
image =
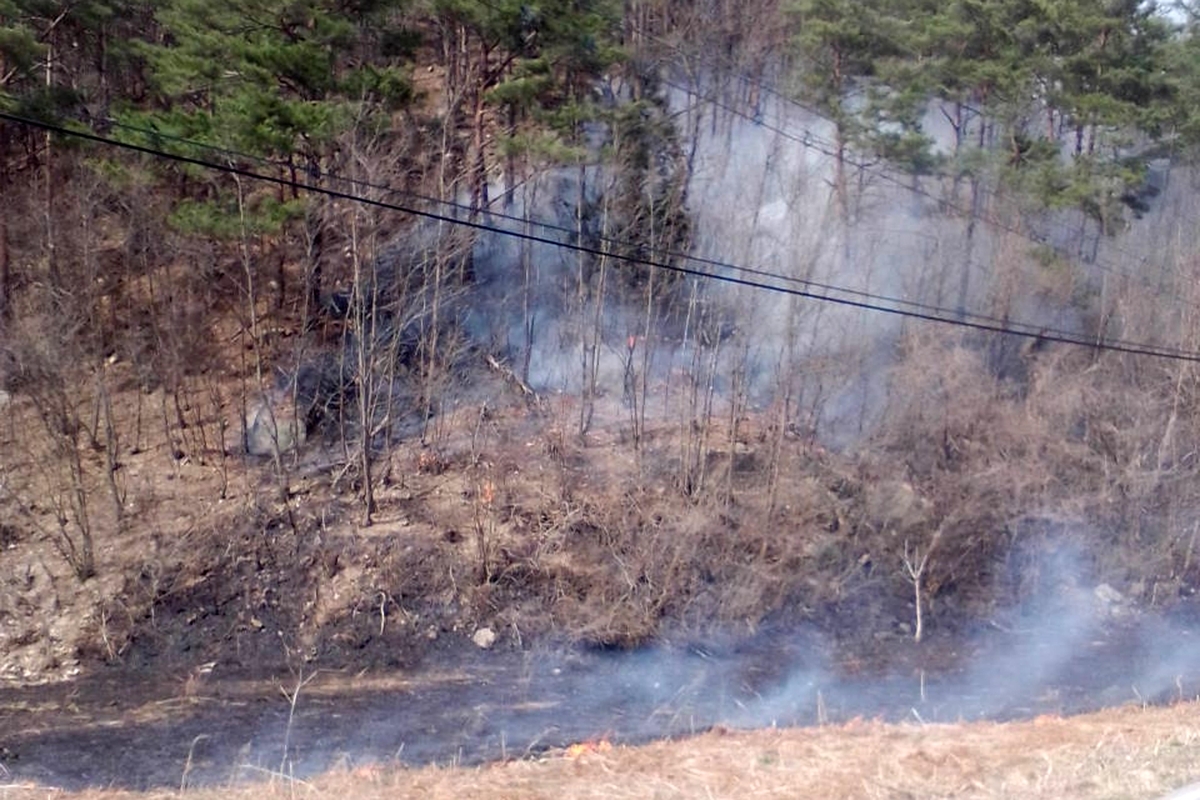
(1067, 653)
(1071, 646)
(764, 190)
(761, 193)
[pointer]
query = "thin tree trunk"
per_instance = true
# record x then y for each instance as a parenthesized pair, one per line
(365, 291)
(110, 450)
(5, 263)
(528, 303)
(964, 286)
(48, 180)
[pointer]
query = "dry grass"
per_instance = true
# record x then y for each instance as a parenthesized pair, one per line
(1117, 753)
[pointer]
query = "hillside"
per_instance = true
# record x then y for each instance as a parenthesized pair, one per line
(378, 339)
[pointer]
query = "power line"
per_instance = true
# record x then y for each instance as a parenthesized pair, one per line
(1122, 346)
(812, 285)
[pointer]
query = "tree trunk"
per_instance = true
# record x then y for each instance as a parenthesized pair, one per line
(479, 189)
(964, 287)
(5, 263)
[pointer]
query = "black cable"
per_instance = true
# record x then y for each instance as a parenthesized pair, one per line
(613, 241)
(1133, 348)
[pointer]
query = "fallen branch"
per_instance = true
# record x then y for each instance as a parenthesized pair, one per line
(507, 373)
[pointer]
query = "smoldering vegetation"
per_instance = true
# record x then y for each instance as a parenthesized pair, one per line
(728, 503)
(992, 433)
(785, 458)
(1066, 654)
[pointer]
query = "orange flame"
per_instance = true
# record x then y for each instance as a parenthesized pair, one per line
(583, 748)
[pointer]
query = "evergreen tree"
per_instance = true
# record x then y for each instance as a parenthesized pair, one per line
(269, 77)
(1060, 95)
(533, 63)
(59, 62)
(277, 80)
(839, 48)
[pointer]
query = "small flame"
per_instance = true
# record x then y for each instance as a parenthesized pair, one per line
(583, 748)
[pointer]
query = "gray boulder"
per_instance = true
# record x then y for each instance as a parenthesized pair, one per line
(273, 429)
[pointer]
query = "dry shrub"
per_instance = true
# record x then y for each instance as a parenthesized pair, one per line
(643, 561)
(967, 442)
(1128, 426)
(1076, 447)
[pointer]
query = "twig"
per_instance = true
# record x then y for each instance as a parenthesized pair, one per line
(916, 571)
(507, 373)
(277, 774)
(293, 697)
(187, 765)
(383, 599)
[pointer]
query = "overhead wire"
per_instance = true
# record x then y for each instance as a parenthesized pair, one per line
(1026, 331)
(813, 285)
(809, 140)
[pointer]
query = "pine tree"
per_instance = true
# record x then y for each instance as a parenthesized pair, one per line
(274, 84)
(1055, 94)
(839, 47)
(63, 63)
(532, 63)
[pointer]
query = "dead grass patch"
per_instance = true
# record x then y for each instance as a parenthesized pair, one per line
(1118, 753)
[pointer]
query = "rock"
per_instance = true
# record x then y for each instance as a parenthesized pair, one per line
(1189, 792)
(1110, 603)
(272, 430)
(1108, 595)
(484, 638)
